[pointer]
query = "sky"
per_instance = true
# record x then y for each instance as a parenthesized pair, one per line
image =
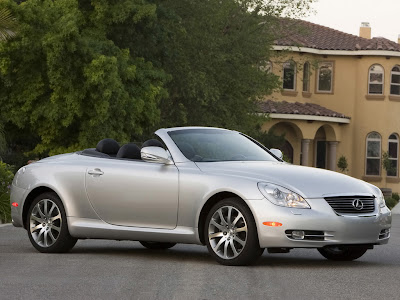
(347, 15)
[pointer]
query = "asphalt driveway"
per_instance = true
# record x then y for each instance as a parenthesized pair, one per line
(125, 270)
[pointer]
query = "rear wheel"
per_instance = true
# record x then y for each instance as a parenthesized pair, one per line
(342, 253)
(157, 245)
(47, 225)
(231, 233)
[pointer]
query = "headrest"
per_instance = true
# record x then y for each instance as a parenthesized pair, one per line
(152, 143)
(108, 146)
(129, 151)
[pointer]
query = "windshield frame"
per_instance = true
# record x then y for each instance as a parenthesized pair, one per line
(211, 130)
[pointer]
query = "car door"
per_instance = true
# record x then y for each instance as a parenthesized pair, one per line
(133, 193)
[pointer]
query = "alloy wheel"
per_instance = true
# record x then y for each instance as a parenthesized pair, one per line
(45, 223)
(227, 232)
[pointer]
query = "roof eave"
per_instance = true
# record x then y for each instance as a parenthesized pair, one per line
(308, 118)
(337, 52)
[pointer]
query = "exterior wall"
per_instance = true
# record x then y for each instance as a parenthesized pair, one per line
(350, 97)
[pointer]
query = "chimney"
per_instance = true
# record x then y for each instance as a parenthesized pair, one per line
(365, 30)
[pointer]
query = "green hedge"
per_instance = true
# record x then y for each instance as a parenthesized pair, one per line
(6, 177)
(392, 201)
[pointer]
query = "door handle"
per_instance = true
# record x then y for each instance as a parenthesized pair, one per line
(95, 172)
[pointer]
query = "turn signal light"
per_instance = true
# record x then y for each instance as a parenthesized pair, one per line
(15, 204)
(273, 224)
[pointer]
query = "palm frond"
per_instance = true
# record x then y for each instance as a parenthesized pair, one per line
(8, 25)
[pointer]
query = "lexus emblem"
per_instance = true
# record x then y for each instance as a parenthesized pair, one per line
(357, 204)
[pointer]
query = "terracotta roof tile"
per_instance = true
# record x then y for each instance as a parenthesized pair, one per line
(305, 34)
(284, 107)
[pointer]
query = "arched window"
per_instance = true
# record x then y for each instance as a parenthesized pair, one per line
(395, 81)
(325, 77)
(289, 75)
(306, 77)
(373, 158)
(375, 80)
(393, 154)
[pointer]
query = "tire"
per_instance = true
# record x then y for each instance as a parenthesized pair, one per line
(231, 233)
(342, 253)
(47, 225)
(157, 245)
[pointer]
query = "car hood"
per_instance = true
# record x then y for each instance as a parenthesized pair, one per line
(306, 181)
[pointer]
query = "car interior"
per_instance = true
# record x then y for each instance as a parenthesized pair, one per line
(109, 148)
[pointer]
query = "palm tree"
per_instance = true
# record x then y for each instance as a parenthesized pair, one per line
(7, 25)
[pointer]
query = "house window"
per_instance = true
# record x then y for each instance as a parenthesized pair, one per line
(373, 154)
(375, 80)
(325, 76)
(306, 77)
(393, 154)
(289, 76)
(395, 81)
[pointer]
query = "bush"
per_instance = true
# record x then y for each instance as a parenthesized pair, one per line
(391, 202)
(396, 196)
(6, 177)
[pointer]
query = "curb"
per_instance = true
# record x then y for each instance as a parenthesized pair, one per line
(4, 225)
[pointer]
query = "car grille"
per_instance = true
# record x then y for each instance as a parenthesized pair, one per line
(352, 205)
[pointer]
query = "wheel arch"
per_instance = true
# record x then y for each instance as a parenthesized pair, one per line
(209, 204)
(31, 196)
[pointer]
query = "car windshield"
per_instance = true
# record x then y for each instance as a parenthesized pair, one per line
(211, 145)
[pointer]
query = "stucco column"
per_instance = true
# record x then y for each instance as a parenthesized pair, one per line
(332, 155)
(305, 145)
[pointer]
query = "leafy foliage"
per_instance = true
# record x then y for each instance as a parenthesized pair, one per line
(8, 25)
(6, 177)
(388, 164)
(80, 70)
(342, 164)
(65, 80)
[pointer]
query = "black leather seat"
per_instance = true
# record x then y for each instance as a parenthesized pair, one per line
(108, 146)
(152, 143)
(130, 151)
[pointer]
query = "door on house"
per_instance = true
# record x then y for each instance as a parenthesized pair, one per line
(320, 161)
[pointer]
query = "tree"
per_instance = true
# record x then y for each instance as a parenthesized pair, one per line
(215, 52)
(8, 25)
(82, 70)
(64, 80)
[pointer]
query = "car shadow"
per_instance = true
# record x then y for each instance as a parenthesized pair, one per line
(198, 254)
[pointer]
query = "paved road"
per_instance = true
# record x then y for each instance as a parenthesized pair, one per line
(125, 270)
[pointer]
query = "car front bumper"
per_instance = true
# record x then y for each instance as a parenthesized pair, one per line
(321, 224)
(17, 196)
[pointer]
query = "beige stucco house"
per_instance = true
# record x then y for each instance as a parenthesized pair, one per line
(340, 97)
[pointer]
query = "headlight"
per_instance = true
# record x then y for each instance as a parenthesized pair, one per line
(279, 195)
(381, 200)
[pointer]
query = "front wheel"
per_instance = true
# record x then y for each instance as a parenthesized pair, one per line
(47, 225)
(231, 233)
(342, 253)
(157, 245)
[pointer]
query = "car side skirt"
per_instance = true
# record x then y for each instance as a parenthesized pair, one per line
(97, 229)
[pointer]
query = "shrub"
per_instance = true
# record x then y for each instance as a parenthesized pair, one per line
(6, 177)
(396, 196)
(342, 164)
(391, 202)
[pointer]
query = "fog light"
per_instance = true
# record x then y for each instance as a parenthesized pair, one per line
(298, 234)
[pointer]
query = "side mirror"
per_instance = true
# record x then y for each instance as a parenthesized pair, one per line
(276, 152)
(156, 155)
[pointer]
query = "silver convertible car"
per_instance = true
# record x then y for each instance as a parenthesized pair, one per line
(198, 185)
